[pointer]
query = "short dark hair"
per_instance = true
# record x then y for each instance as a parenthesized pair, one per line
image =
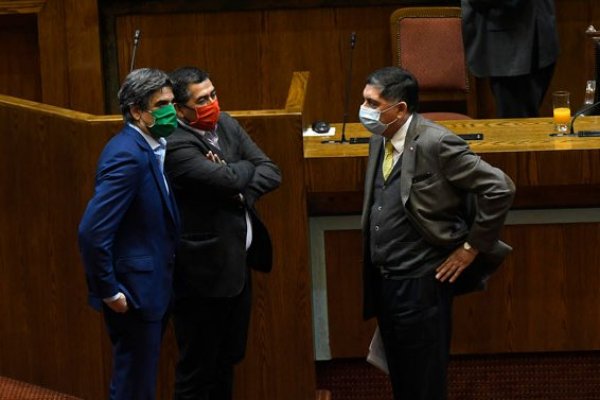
(182, 78)
(138, 87)
(396, 84)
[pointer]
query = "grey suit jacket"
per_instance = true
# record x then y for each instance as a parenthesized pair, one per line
(450, 195)
(509, 37)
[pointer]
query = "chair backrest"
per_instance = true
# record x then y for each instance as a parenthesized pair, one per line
(427, 41)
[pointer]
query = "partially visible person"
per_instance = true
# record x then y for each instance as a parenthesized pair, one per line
(218, 174)
(432, 215)
(514, 43)
(128, 234)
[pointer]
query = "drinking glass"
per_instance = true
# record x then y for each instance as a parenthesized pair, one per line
(561, 111)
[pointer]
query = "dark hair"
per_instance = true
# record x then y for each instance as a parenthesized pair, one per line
(396, 84)
(182, 78)
(138, 87)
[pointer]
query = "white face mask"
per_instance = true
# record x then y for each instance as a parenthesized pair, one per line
(369, 117)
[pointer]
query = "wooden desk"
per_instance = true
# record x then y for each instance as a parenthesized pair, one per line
(540, 165)
(545, 296)
(500, 136)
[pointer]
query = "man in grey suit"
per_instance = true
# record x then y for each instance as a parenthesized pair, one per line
(431, 208)
(514, 43)
(217, 173)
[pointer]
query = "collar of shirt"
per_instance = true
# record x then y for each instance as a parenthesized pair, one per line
(159, 148)
(400, 136)
(153, 143)
(199, 131)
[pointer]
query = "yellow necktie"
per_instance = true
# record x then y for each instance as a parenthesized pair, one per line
(388, 159)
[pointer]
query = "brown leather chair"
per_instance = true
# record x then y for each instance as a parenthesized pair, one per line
(427, 41)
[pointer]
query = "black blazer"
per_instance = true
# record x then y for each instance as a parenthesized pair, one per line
(211, 259)
(509, 37)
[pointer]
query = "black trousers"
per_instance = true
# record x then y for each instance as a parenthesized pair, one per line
(414, 317)
(521, 96)
(211, 335)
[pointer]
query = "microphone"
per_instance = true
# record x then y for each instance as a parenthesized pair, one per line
(348, 85)
(578, 114)
(136, 41)
(347, 93)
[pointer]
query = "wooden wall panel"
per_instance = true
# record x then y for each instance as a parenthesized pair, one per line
(85, 75)
(53, 55)
(227, 45)
(50, 335)
(71, 71)
(280, 356)
(347, 329)
(542, 299)
(19, 60)
(250, 54)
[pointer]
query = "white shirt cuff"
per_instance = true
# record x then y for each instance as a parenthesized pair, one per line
(112, 298)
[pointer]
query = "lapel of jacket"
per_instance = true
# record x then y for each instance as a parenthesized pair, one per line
(155, 170)
(374, 152)
(206, 145)
(409, 158)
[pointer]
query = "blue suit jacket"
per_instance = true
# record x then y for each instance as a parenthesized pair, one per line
(128, 233)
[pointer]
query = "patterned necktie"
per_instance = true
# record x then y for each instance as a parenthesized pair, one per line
(212, 138)
(388, 159)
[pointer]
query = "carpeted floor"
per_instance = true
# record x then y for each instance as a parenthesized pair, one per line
(11, 389)
(556, 376)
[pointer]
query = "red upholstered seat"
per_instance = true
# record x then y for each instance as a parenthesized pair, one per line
(427, 41)
(444, 116)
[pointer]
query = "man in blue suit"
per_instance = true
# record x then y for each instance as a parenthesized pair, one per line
(128, 234)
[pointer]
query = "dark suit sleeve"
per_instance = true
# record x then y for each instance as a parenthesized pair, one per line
(266, 177)
(116, 184)
(493, 189)
(187, 166)
(482, 5)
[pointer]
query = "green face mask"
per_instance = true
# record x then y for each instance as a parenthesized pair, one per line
(165, 121)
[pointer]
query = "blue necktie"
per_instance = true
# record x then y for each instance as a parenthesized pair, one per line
(160, 152)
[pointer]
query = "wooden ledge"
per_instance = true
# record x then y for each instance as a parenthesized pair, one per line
(21, 6)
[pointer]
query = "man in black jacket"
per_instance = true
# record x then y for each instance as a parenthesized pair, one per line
(217, 173)
(514, 43)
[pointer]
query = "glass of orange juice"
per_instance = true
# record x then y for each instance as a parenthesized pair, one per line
(561, 111)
